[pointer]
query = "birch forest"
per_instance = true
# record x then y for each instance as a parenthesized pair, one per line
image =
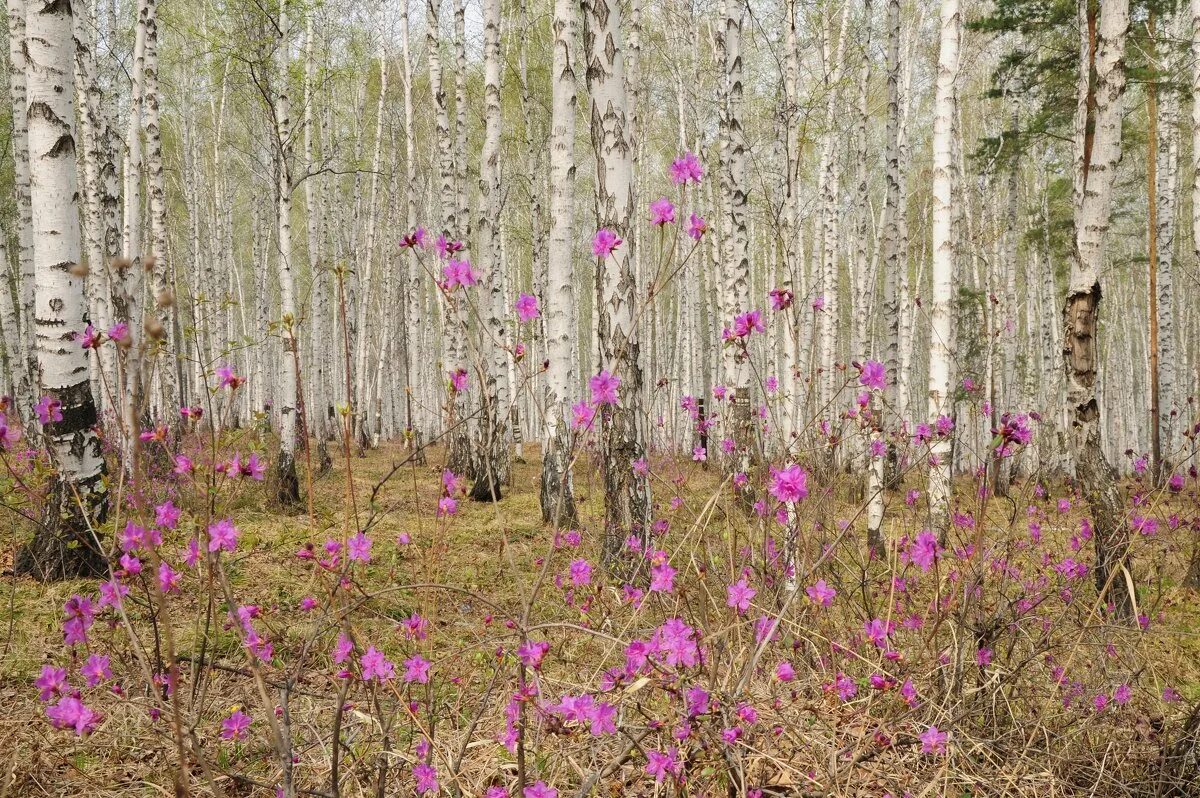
(545, 398)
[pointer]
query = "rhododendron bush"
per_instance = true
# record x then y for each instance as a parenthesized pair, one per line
(401, 639)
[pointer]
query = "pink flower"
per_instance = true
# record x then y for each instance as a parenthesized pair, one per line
(661, 763)
(52, 682)
(581, 572)
(662, 578)
(527, 308)
(662, 211)
(604, 242)
(71, 713)
(686, 168)
(532, 652)
(604, 388)
(874, 375)
(222, 535)
(745, 324)
(789, 484)
(49, 410)
(697, 227)
(414, 239)
(582, 415)
(168, 578)
(375, 666)
(89, 338)
(458, 380)
(458, 272)
(226, 378)
(739, 595)
(933, 741)
(699, 454)
(358, 548)
(446, 507)
(119, 333)
(781, 298)
(235, 726)
(96, 669)
(539, 790)
(821, 593)
(416, 669)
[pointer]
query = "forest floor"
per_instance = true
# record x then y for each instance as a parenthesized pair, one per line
(490, 556)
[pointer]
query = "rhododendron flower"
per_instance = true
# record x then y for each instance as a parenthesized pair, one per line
(52, 682)
(539, 790)
(445, 247)
(458, 273)
(49, 410)
(745, 324)
(662, 578)
(789, 484)
(222, 536)
(96, 669)
(166, 515)
(376, 667)
(675, 640)
(660, 764)
(604, 242)
(89, 338)
(426, 778)
(183, 464)
(686, 168)
(416, 669)
(781, 298)
(119, 333)
(236, 725)
(532, 652)
(818, 302)
(226, 378)
(604, 388)
(358, 548)
(662, 211)
(699, 454)
(933, 741)
(168, 578)
(458, 380)
(414, 239)
(446, 507)
(739, 595)
(785, 672)
(821, 593)
(527, 308)
(873, 376)
(581, 572)
(71, 713)
(845, 687)
(582, 415)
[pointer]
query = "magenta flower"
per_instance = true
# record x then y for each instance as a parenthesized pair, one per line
(168, 578)
(739, 595)
(539, 790)
(686, 168)
(222, 536)
(604, 242)
(52, 682)
(582, 415)
(933, 741)
(235, 727)
(581, 572)
(660, 764)
(873, 376)
(426, 777)
(745, 324)
(375, 666)
(604, 388)
(527, 308)
(781, 298)
(89, 338)
(119, 333)
(71, 713)
(532, 652)
(821, 593)
(697, 227)
(446, 507)
(358, 548)
(96, 670)
(789, 484)
(458, 272)
(49, 410)
(414, 239)
(458, 380)
(662, 211)
(416, 669)
(226, 378)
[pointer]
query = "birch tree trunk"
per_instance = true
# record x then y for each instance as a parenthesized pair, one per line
(287, 485)
(160, 324)
(492, 450)
(64, 545)
(1097, 157)
(626, 489)
(941, 312)
(558, 490)
(26, 376)
(737, 259)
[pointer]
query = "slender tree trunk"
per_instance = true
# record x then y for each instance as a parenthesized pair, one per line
(492, 450)
(558, 492)
(64, 545)
(26, 375)
(1097, 156)
(626, 489)
(941, 313)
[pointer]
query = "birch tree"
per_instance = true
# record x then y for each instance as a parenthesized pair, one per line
(626, 488)
(65, 544)
(941, 313)
(1097, 153)
(557, 490)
